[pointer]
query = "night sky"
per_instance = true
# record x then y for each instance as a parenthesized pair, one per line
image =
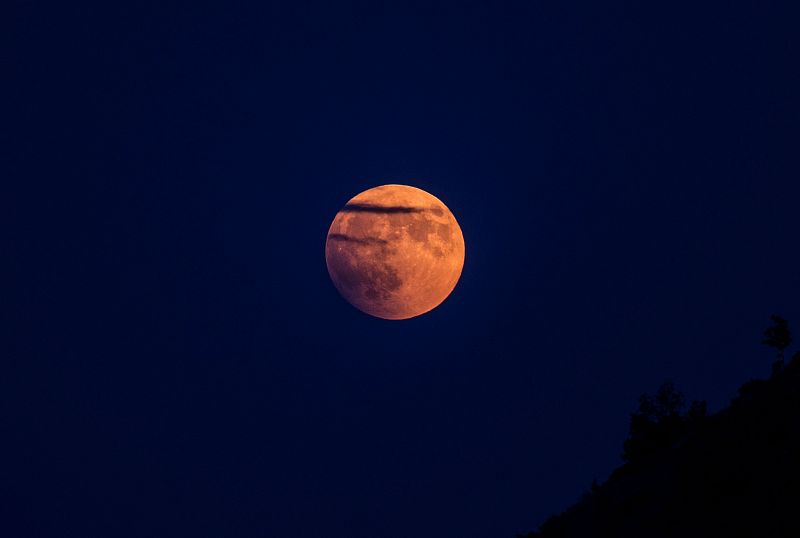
(175, 360)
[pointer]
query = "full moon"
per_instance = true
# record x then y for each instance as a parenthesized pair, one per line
(395, 251)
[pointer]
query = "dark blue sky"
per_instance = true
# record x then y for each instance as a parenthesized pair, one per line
(175, 359)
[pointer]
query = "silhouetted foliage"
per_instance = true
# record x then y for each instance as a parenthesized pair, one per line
(657, 424)
(689, 474)
(697, 411)
(778, 336)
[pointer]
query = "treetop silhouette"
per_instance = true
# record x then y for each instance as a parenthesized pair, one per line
(688, 474)
(778, 336)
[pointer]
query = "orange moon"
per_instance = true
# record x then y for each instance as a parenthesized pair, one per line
(395, 251)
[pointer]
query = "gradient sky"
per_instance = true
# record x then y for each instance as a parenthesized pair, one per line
(175, 359)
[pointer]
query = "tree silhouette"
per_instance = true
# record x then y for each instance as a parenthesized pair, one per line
(695, 474)
(698, 411)
(778, 336)
(657, 423)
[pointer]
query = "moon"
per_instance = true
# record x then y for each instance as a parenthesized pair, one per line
(395, 251)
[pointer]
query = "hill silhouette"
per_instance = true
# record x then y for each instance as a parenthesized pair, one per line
(734, 474)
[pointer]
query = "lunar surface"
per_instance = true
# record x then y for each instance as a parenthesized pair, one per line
(395, 251)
